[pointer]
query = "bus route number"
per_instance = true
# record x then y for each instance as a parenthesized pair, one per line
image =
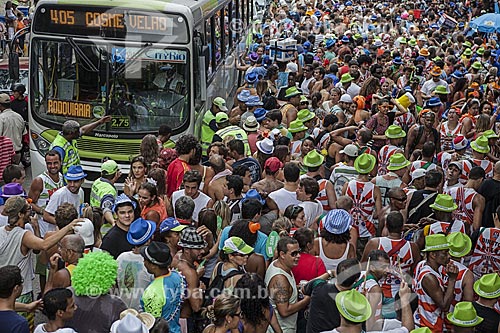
(66, 17)
(120, 122)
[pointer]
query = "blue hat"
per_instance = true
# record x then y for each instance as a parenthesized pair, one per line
(75, 172)
(253, 194)
(348, 3)
(457, 74)
(258, 36)
(317, 13)
(140, 231)
(345, 39)
(452, 4)
(243, 95)
(265, 26)
(330, 42)
(251, 77)
(461, 24)
(374, 17)
(337, 221)
(398, 18)
(123, 199)
(371, 27)
(434, 101)
(171, 224)
(253, 101)
(306, 45)
(260, 114)
(408, 89)
(397, 61)
(420, 58)
(434, 26)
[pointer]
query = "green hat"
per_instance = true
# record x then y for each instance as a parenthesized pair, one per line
(464, 315)
(444, 203)
(394, 132)
(422, 330)
(109, 167)
(477, 65)
(313, 159)
(441, 90)
(481, 145)
(488, 286)
(305, 115)
(436, 242)
(357, 36)
(412, 42)
(353, 306)
(490, 134)
(468, 44)
(236, 245)
(460, 244)
(403, 40)
(220, 103)
(292, 91)
(296, 126)
(480, 51)
(221, 117)
(303, 99)
(397, 161)
(438, 58)
(467, 52)
(365, 163)
(345, 78)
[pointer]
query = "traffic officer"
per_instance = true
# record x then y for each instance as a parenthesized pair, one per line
(65, 141)
(225, 129)
(208, 126)
(103, 192)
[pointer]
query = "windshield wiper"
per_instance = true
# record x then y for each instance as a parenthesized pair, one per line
(82, 55)
(133, 58)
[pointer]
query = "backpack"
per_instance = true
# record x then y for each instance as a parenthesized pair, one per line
(216, 287)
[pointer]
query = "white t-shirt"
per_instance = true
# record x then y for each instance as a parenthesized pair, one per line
(63, 195)
(284, 198)
(41, 329)
(133, 278)
(312, 209)
(200, 202)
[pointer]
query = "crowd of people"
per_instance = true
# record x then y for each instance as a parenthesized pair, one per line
(353, 187)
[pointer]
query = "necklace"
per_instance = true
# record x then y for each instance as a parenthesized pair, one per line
(187, 262)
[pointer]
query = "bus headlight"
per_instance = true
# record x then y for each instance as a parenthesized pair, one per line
(41, 144)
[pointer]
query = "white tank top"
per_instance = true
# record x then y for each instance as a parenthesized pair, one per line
(49, 187)
(329, 262)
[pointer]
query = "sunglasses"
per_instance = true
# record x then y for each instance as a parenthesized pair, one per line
(400, 199)
(238, 314)
(237, 254)
(294, 253)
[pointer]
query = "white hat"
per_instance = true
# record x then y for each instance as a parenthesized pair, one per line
(129, 324)
(265, 146)
(346, 98)
(417, 173)
(86, 231)
(292, 67)
(350, 150)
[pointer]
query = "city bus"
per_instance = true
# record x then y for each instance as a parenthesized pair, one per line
(145, 63)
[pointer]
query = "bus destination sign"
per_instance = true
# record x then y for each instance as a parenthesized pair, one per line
(138, 23)
(114, 22)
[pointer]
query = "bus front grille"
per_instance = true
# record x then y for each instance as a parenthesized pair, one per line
(116, 149)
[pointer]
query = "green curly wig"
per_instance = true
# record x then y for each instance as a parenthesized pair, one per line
(95, 274)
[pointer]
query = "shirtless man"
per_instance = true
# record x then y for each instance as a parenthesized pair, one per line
(429, 133)
(218, 184)
(269, 183)
(193, 248)
(397, 203)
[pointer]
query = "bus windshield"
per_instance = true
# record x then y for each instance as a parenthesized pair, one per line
(141, 87)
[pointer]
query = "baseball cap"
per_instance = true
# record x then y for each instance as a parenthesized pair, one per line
(109, 167)
(221, 117)
(221, 103)
(457, 164)
(4, 99)
(273, 164)
(417, 173)
(346, 98)
(86, 230)
(350, 150)
(171, 224)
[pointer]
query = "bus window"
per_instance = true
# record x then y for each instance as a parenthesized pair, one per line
(242, 12)
(139, 87)
(227, 34)
(210, 40)
(218, 37)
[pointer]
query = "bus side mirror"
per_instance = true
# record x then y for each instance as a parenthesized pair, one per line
(14, 66)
